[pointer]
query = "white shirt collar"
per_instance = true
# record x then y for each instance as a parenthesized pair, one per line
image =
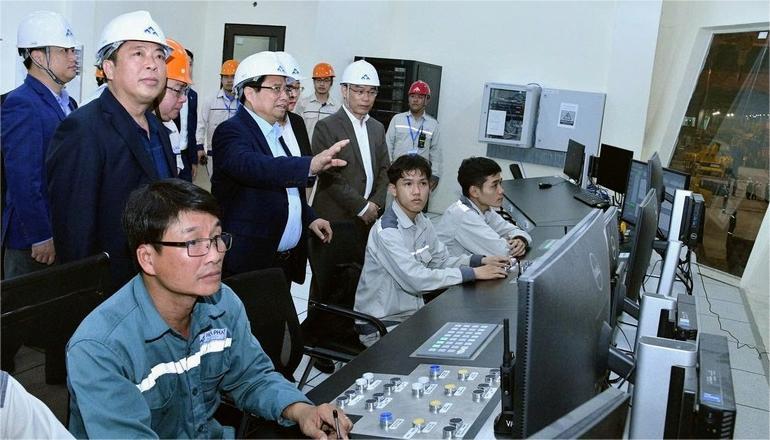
(354, 119)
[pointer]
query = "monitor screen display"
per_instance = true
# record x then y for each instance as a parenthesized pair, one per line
(644, 236)
(563, 332)
(672, 180)
(638, 184)
(614, 165)
(573, 164)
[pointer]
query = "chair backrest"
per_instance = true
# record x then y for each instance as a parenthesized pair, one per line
(267, 299)
(62, 295)
(516, 171)
(336, 269)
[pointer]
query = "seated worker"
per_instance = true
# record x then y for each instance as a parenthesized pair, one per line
(152, 360)
(469, 225)
(404, 258)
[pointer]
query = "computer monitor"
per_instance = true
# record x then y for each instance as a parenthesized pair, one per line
(614, 166)
(573, 163)
(644, 235)
(672, 180)
(563, 331)
(612, 235)
(603, 416)
(636, 189)
(656, 176)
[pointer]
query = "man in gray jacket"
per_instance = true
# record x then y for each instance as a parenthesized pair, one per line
(405, 259)
(470, 225)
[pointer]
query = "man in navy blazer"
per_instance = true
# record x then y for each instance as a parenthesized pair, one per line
(30, 114)
(111, 146)
(258, 183)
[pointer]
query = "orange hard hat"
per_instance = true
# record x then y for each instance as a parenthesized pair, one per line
(99, 73)
(419, 88)
(229, 67)
(178, 64)
(323, 70)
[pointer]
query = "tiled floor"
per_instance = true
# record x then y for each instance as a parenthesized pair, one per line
(725, 315)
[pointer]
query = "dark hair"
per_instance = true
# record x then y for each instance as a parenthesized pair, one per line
(474, 172)
(407, 163)
(151, 208)
(100, 81)
(190, 54)
(255, 84)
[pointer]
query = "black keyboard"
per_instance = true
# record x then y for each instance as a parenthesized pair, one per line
(591, 199)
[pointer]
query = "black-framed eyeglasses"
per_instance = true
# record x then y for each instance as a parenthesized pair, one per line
(182, 91)
(361, 92)
(277, 89)
(201, 246)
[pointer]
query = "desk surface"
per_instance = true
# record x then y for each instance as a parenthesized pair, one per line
(554, 206)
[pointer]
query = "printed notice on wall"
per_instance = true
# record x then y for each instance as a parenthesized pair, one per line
(496, 123)
(567, 115)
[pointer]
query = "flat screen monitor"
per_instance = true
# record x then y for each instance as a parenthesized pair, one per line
(641, 251)
(638, 184)
(573, 163)
(563, 331)
(672, 180)
(656, 176)
(604, 416)
(614, 166)
(612, 235)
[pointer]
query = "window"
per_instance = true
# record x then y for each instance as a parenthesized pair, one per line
(723, 144)
(242, 40)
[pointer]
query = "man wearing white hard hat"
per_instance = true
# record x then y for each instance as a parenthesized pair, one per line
(356, 192)
(111, 146)
(30, 115)
(259, 183)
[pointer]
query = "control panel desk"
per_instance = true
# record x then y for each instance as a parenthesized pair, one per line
(554, 206)
(482, 301)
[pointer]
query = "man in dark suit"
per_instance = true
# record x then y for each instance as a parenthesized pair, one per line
(357, 191)
(257, 181)
(111, 146)
(30, 115)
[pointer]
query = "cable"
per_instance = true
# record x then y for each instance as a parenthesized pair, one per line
(737, 341)
(628, 323)
(627, 341)
(647, 276)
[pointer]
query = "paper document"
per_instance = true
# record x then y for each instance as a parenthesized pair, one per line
(496, 123)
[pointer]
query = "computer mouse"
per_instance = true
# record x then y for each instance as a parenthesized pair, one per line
(543, 185)
(603, 205)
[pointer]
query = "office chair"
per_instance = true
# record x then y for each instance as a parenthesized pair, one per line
(336, 269)
(516, 171)
(59, 297)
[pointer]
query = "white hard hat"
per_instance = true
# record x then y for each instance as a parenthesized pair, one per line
(360, 73)
(45, 28)
(133, 26)
(291, 65)
(256, 65)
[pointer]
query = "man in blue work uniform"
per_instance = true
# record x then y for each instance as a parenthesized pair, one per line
(30, 115)
(111, 146)
(153, 360)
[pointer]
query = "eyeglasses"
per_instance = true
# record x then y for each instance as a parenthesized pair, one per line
(323, 80)
(182, 91)
(277, 89)
(295, 90)
(361, 92)
(201, 246)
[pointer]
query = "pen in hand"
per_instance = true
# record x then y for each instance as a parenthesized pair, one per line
(337, 423)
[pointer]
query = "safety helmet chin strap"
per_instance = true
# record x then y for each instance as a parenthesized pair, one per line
(46, 69)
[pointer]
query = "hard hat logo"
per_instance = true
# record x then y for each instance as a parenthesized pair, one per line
(281, 69)
(365, 77)
(69, 33)
(151, 31)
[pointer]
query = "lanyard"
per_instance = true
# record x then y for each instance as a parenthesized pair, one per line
(412, 133)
